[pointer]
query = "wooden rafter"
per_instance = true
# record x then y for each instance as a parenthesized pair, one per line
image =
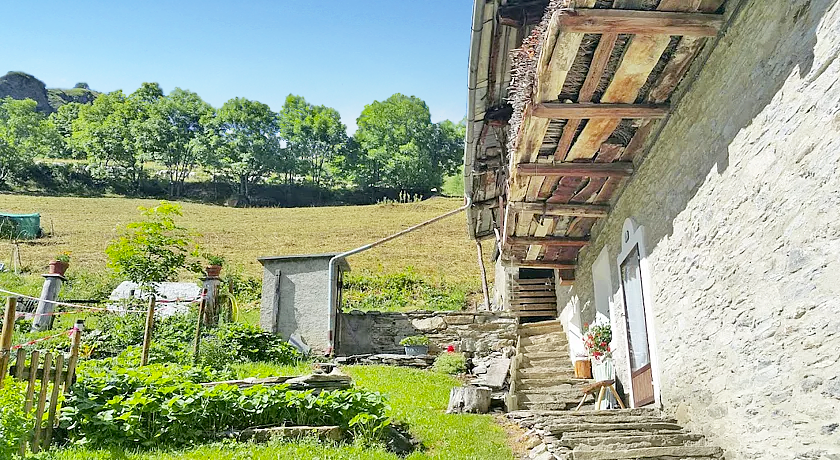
(549, 209)
(556, 264)
(618, 169)
(621, 21)
(584, 110)
(547, 241)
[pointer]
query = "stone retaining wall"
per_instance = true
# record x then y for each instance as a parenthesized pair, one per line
(475, 333)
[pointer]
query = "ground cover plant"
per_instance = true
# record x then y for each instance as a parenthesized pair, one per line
(414, 396)
(164, 405)
(401, 291)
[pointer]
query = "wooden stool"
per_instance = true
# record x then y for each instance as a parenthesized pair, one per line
(602, 391)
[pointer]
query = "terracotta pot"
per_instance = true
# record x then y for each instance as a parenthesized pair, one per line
(58, 267)
(213, 271)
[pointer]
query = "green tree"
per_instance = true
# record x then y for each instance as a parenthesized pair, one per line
(24, 135)
(401, 148)
(174, 132)
(245, 134)
(105, 132)
(152, 250)
(314, 137)
(63, 121)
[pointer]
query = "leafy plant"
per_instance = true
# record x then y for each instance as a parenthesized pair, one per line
(450, 363)
(415, 341)
(249, 343)
(14, 421)
(63, 257)
(399, 292)
(166, 405)
(213, 259)
(596, 339)
(154, 249)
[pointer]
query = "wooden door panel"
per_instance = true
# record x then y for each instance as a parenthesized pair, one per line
(643, 386)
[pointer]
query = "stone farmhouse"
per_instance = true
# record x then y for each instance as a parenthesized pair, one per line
(670, 168)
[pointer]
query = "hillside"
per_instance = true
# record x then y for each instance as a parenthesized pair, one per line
(440, 252)
(20, 85)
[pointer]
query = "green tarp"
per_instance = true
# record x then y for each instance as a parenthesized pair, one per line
(20, 226)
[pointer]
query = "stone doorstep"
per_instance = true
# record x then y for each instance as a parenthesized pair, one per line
(649, 452)
(613, 412)
(593, 419)
(558, 406)
(331, 433)
(598, 427)
(546, 372)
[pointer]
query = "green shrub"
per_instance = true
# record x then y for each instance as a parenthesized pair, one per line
(160, 405)
(415, 341)
(250, 343)
(399, 292)
(450, 363)
(14, 422)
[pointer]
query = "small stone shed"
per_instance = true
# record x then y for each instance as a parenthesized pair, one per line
(295, 298)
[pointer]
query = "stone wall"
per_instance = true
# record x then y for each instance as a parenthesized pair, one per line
(739, 197)
(476, 333)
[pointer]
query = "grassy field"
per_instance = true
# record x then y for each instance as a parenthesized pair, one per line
(416, 397)
(441, 252)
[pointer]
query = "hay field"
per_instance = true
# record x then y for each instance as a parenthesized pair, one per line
(440, 252)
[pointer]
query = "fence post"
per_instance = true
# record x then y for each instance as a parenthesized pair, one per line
(43, 319)
(6, 337)
(198, 324)
(75, 343)
(147, 334)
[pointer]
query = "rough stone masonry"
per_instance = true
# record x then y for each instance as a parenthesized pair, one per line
(740, 199)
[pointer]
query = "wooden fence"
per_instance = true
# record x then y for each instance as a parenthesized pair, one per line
(48, 373)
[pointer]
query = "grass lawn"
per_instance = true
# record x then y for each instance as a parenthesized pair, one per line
(440, 252)
(417, 397)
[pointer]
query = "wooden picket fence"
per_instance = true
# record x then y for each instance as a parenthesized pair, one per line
(51, 374)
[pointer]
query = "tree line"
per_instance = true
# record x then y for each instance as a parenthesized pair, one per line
(243, 143)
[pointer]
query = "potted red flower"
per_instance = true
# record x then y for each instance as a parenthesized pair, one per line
(597, 340)
(59, 265)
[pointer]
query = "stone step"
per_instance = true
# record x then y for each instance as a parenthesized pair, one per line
(528, 384)
(529, 372)
(540, 327)
(629, 441)
(641, 411)
(528, 360)
(548, 347)
(649, 452)
(544, 338)
(559, 395)
(559, 428)
(584, 417)
(552, 406)
(547, 355)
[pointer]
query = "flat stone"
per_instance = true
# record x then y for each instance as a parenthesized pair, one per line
(497, 373)
(429, 324)
(331, 433)
(459, 319)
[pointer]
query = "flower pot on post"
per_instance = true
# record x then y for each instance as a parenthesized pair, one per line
(58, 267)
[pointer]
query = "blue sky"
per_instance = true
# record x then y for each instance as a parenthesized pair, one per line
(338, 53)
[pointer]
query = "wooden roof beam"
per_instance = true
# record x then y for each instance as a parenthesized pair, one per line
(587, 110)
(619, 21)
(558, 264)
(554, 241)
(555, 209)
(618, 169)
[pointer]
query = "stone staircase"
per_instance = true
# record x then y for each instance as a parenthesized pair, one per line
(610, 435)
(542, 376)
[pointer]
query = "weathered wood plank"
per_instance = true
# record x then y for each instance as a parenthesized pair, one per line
(535, 313)
(590, 110)
(56, 390)
(558, 264)
(622, 21)
(548, 241)
(39, 407)
(639, 59)
(550, 209)
(619, 169)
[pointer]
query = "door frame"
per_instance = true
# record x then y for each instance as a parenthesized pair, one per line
(633, 237)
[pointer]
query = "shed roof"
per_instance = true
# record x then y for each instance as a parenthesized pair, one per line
(342, 262)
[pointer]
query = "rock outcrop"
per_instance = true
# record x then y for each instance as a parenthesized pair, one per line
(20, 85)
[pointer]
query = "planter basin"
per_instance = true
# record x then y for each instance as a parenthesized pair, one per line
(416, 350)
